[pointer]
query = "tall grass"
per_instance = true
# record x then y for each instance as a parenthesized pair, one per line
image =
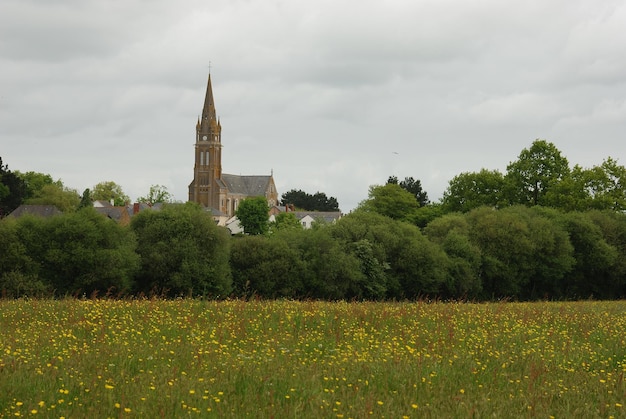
(154, 358)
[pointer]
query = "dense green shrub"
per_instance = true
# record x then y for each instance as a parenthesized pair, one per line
(182, 252)
(80, 252)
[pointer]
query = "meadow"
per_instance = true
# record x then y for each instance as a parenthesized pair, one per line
(287, 359)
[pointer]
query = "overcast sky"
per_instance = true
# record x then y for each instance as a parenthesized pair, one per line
(333, 96)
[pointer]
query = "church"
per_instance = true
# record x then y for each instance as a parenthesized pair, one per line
(211, 188)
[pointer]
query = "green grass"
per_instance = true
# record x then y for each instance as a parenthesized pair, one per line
(285, 359)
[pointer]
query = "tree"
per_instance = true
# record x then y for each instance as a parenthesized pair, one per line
(596, 260)
(523, 253)
(601, 187)
(65, 199)
(536, 170)
(12, 190)
(470, 190)
(266, 267)
(605, 186)
(80, 252)
(109, 191)
(613, 227)
(414, 186)
(304, 201)
(412, 265)
(35, 182)
(182, 252)
(285, 220)
(85, 200)
(329, 271)
(463, 277)
(18, 271)
(156, 194)
(253, 215)
(505, 251)
(392, 201)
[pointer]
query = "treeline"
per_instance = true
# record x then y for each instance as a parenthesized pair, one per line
(517, 252)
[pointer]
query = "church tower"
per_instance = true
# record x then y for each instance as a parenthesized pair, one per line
(207, 171)
(211, 188)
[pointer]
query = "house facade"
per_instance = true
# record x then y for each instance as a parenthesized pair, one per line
(214, 190)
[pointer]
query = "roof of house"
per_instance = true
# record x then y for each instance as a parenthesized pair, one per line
(115, 213)
(246, 185)
(41, 210)
(327, 216)
(102, 203)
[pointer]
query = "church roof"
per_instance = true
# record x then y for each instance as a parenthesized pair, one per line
(246, 185)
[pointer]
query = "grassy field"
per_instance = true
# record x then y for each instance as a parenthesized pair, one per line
(285, 359)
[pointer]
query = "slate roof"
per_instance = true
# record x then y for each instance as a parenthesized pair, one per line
(41, 210)
(246, 185)
(120, 215)
(327, 216)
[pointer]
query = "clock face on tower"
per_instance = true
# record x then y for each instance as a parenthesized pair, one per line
(204, 138)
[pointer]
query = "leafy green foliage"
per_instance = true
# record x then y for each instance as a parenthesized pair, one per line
(35, 182)
(80, 252)
(17, 270)
(535, 171)
(391, 200)
(253, 215)
(12, 190)
(329, 271)
(85, 199)
(65, 199)
(285, 220)
(156, 194)
(266, 267)
(413, 265)
(595, 258)
(463, 275)
(467, 191)
(304, 201)
(413, 186)
(110, 192)
(182, 252)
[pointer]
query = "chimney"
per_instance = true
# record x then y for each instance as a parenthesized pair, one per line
(135, 208)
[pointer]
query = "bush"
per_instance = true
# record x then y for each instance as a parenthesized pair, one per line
(16, 284)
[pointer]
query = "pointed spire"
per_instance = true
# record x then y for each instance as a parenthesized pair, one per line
(208, 111)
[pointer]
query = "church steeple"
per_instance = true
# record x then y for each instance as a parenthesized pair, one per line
(205, 187)
(209, 118)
